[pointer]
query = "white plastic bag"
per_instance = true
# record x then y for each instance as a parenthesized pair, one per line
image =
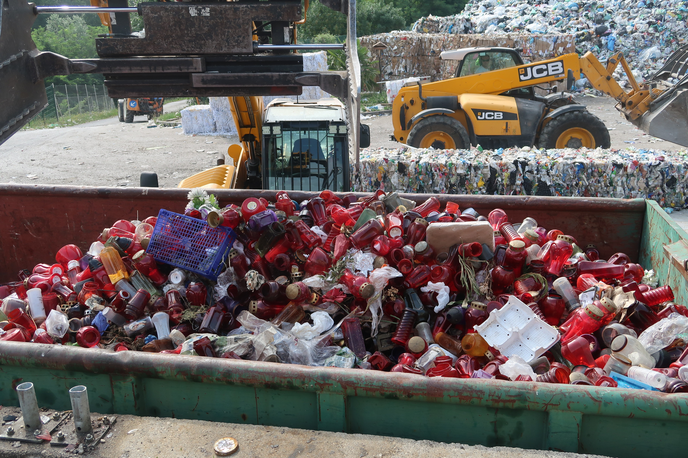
(516, 366)
(379, 279)
(442, 291)
(322, 322)
(664, 332)
(57, 324)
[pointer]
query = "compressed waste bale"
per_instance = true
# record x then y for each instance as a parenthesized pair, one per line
(413, 54)
(198, 120)
(630, 173)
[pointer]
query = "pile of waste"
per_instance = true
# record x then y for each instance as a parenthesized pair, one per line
(630, 173)
(646, 32)
(376, 283)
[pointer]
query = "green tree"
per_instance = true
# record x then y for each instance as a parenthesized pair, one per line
(378, 16)
(373, 16)
(412, 10)
(336, 60)
(42, 19)
(71, 37)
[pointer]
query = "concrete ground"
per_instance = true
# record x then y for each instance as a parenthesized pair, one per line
(147, 437)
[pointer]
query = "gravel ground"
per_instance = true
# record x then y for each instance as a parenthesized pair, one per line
(110, 153)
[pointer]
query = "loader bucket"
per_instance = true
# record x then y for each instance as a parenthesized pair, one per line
(23, 94)
(668, 120)
(667, 117)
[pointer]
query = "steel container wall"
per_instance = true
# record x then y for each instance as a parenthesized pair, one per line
(38, 220)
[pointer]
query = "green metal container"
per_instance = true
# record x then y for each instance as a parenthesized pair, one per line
(617, 422)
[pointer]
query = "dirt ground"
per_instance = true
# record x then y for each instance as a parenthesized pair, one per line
(110, 153)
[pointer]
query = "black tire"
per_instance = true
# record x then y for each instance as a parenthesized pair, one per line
(120, 110)
(575, 129)
(438, 132)
(129, 117)
(148, 180)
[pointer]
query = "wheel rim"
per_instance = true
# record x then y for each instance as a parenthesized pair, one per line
(438, 140)
(576, 137)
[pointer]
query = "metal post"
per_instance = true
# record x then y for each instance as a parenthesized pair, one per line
(95, 94)
(88, 99)
(57, 116)
(81, 410)
(78, 100)
(67, 95)
(29, 407)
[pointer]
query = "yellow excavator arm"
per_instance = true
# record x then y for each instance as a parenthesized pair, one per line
(247, 112)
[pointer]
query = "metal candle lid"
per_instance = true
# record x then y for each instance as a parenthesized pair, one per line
(225, 446)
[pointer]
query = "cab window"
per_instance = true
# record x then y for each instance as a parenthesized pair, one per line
(486, 61)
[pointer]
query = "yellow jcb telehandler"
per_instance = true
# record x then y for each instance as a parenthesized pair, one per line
(491, 101)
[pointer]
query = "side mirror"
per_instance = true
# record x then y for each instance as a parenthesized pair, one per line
(364, 141)
(570, 80)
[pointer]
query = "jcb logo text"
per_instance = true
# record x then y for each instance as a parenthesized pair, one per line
(541, 70)
(485, 115)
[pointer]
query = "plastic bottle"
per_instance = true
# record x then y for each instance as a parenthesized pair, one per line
(528, 223)
(577, 351)
(652, 378)
(630, 347)
(474, 345)
(586, 321)
(496, 217)
(35, 300)
(556, 253)
(565, 290)
(448, 343)
(600, 270)
(617, 363)
(161, 321)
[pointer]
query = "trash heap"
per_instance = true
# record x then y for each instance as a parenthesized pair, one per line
(377, 283)
(630, 173)
(645, 31)
(414, 54)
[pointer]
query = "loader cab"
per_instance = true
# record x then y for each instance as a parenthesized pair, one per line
(305, 146)
(477, 60)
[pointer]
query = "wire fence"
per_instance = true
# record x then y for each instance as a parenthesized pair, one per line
(69, 100)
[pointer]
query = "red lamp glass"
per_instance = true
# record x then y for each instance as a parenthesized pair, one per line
(87, 337)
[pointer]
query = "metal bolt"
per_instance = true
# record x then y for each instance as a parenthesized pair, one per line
(10, 431)
(37, 433)
(106, 421)
(89, 438)
(56, 416)
(61, 436)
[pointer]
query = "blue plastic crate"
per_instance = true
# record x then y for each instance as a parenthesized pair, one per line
(190, 244)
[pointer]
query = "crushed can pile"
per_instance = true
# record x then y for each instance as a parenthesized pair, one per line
(376, 283)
